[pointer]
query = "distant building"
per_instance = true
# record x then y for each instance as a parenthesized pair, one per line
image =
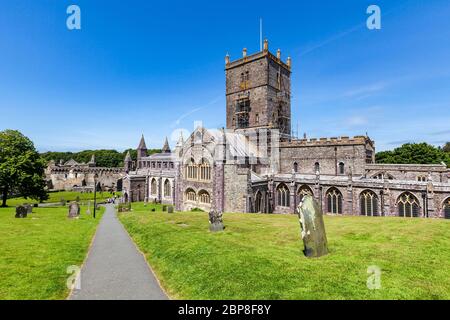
(74, 176)
(256, 165)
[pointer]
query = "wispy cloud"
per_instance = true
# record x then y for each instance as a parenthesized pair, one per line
(177, 122)
(366, 90)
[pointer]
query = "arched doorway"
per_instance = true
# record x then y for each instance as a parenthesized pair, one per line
(259, 205)
(447, 209)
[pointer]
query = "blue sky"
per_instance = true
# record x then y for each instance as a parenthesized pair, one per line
(153, 67)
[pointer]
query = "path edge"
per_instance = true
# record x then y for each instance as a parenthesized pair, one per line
(145, 259)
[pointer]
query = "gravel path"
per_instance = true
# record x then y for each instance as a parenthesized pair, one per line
(114, 268)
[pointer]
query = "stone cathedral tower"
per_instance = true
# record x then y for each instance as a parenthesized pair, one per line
(258, 92)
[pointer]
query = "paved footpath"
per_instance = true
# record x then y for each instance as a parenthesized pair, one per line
(114, 268)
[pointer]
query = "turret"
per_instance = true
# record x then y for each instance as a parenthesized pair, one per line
(127, 163)
(166, 147)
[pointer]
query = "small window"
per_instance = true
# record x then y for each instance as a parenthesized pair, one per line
(341, 168)
(317, 167)
(295, 167)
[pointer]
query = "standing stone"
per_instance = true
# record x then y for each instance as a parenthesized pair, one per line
(74, 210)
(164, 208)
(313, 228)
(21, 212)
(29, 208)
(170, 209)
(88, 211)
(215, 221)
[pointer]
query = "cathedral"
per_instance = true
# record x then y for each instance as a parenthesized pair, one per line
(255, 165)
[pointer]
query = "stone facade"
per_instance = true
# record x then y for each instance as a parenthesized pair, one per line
(74, 176)
(255, 165)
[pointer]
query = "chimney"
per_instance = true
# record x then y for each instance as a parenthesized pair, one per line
(279, 54)
(244, 52)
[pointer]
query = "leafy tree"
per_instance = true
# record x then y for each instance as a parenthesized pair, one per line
(446, 148)
(21, 167)
(414, 153)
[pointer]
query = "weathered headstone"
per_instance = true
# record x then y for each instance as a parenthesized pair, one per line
(312, 228)
(164, 208)
(215, 221)
(21, 212)
(88, 211)
(153, 210)
(29, 208)
(170, 209)
(74, 210)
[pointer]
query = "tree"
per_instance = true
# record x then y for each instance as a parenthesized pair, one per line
(414, 153)
(21, 167)
(446, 148)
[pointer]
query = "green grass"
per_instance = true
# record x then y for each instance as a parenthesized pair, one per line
(260, 256)
(36, 251)
(66, 195)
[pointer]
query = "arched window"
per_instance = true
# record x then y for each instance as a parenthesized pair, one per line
(295, 167)
(154, 187)
(447, 209)
(303, 191)
(317, 167)
(205, 171)
(190, 195)
(191, 170)
(283, 195)
(341, 168)
(369, 203)
(334, 201)
(408, 205)
(167, 188)
(204, 197)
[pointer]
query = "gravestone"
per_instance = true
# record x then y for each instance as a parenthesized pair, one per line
(74, 210)
(21, 212)
(88, 211)
(153, 210)
(312, 228)
(164, 208)
(170, 209)
(29, 208)
(215, 221)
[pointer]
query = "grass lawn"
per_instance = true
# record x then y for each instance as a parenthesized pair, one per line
(66, 195)
(259, 256)
(36, 251)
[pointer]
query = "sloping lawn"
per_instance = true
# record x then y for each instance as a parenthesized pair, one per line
(55, 197)
(36, 251)
(259, 256)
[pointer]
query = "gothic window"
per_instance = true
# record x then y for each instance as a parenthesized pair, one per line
(334, 201)
(408, 205)
(368, 203)
(303, 191)
(447, 209)
(204, 197)
(191, 170)
(295, 167)
(190, 195)
(257, 118)
(317, 167)
(167, 188)
(283, 195)
(154, 187)
(205, 171)
(421, 179)
(341, 168)
(382, 175)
